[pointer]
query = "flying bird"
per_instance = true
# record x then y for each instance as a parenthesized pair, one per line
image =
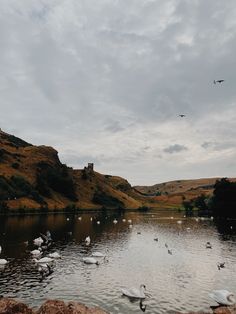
(182, 115)
(218, 81)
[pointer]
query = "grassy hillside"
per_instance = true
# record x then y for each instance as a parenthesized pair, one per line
(173, 193)
(33, 177)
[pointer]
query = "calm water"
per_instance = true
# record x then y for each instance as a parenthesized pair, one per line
(176, 282)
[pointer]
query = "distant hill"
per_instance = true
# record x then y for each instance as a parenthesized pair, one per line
(173, 193)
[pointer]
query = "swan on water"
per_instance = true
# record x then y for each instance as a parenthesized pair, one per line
(208, 245)
(87, 240)
(98, 254)
(54, 255)
(36, 252)
(129, 221)
(45, 270)
(3, 261)
(38, 241)
(124, 220)
(44, 260)
(90, 260)
(98, 222)
(115, 221)
(135, 293)
(223, 297)
(179, 222)
(80, 218)
(130, 226)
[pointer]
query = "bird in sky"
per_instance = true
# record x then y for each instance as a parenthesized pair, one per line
(182, 115)
(218, 81)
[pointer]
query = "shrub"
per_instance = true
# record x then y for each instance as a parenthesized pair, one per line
(15, 165)
(4, 207)
(143, 208)
(104, 199)
(224, 198)
(55, 178)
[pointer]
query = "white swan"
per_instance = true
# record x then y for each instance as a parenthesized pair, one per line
(115, 221)
(3, 261)
(99, 254)
(87, 240)
(54, 255)
(223, 297)
(135, 293)
(80, 218)
(98, 222)
(129, 221)
(44, 260)
(179, 222)
(124, 220)
(90, 260)
(38, 241)
(36, 252)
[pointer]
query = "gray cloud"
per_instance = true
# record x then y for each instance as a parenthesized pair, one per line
(109, 78)
(176, 148)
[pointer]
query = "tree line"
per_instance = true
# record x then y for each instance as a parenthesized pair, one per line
(221, 204)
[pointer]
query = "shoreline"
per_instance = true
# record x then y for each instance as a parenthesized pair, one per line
(14, 306)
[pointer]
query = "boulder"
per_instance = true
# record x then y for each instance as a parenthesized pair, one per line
(60, 307)
(11, 306)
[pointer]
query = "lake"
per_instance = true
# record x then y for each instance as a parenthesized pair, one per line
(179, 281)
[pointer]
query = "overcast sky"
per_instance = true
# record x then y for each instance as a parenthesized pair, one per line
(104, 81)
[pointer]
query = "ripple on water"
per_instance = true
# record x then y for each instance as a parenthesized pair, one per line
(177, 282)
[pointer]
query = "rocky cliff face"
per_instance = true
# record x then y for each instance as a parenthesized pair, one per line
(33, 177)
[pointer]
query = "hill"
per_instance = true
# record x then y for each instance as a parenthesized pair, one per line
(33, 177)
(173, 193)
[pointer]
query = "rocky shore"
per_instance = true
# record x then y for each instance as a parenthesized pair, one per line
(12, 306)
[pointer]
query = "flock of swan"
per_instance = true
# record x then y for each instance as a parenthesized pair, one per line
(43, 242)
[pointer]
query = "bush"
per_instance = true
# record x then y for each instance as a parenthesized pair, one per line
(55, 178)
(4, 207)
(15, 165)
(143, 208)
(104, 199)
(17, 187)
(71, 208)
(224, 198)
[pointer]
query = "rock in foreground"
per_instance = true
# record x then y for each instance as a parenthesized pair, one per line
(11, 306)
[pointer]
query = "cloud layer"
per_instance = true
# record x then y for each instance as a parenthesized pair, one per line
(105, 81)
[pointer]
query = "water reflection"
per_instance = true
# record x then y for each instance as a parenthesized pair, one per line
(177, 282)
